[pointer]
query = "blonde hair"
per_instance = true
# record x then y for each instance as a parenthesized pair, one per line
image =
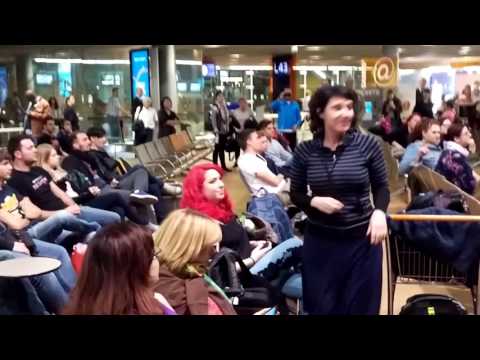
(43, 154)
(183, 236)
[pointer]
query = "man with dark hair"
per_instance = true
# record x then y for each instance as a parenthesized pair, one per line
(53, 205)
(134, 186)
(64, 136)
(253, 166)
(275, 150)
(105, 167)
(48, 136)
(21, 228)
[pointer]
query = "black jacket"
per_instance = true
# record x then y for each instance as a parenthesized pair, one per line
(104, 165)
(456, 243)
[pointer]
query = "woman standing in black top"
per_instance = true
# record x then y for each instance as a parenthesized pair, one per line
(70, 114)
(167, 119)
(331, 179)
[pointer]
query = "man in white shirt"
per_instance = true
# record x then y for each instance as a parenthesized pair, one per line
(275, 150)
(114, 113)
(253, 166)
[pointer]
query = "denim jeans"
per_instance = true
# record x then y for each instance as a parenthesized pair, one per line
(281, 259)
(19, 296)
(52, 288)
(102, 217)
(50, 229)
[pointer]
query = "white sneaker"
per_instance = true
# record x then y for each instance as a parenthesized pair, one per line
(90, 236)
(143, 198)
(172, 189)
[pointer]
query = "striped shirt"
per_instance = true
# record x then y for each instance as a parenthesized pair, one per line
(346, 174)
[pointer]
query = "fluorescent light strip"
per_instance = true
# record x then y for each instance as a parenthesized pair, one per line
(82, 61)
(250, 67)
(188, 62)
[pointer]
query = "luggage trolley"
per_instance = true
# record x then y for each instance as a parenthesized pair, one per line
(407, 265)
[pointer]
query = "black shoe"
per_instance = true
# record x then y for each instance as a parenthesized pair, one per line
(236, 165)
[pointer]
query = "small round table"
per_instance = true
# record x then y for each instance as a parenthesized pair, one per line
(28, 266)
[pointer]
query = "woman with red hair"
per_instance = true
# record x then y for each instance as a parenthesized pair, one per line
(204, 191)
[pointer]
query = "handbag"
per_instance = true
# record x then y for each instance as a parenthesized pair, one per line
(432, 304)
(263, 230)
(248, 293)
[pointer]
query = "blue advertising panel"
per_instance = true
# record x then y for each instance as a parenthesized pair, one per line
(140, 71)
(65, 79)
(3, 85)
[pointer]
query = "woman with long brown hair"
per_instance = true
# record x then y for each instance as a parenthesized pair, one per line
(118, 274)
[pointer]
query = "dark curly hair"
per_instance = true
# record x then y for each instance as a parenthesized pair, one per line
(319, 102)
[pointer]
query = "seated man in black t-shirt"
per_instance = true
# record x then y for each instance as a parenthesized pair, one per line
(53, 204)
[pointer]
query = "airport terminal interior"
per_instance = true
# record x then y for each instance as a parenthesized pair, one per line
(124, 136)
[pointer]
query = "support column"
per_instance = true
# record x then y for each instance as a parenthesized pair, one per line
(155, 77)
(24, 66)
(167, 73)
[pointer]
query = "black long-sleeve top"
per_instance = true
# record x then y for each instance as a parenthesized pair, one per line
(347, 174)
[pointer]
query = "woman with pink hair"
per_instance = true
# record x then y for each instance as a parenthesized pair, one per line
(204, 191)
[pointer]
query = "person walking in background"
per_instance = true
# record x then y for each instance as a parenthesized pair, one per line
(55, 111)
(70, 114)
(39, 116)
(147, 116)
(220, 120)
(114, 115)
(243, 116)
(137, 101)
(289, 117)
(167, 118)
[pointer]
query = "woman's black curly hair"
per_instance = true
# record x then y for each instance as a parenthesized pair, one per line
(319, 101)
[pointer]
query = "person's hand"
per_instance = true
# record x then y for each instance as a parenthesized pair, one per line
(73, 209)
(377, 229)
(30, 213)
(423, 151)
(20, 247)
(326, 205)
(114, 183)
(94, 190)
(472, 146)
(259, 251)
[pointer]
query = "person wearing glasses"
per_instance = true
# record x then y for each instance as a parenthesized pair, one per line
(289, 118)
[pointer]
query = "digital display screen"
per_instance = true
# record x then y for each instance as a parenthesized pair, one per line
(208, 70)
(281, 73)
(65, 79)
(140, 71)
(368, 107)
(3, 85)
(195, 87)
(44, 79)
(181, 86)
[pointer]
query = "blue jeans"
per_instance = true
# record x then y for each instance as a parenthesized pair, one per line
(102, 217)
(52, 288)
(50, 229)
(280, 259)
(9, 300)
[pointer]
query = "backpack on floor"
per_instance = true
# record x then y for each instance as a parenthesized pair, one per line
(247, 292)
(432, 304)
